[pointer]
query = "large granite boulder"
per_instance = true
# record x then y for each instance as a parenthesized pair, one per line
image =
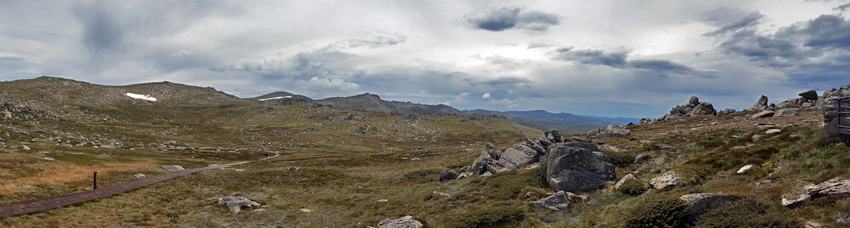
(520, 155)
(575, 169)
(479, 166)
(834, 186)
(761, 104)
(668, 179)
(830, 110)
(785, 112)
(698, 203)
(448, 174)
(810, 95)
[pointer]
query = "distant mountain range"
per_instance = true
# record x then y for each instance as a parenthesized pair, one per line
(537, 119)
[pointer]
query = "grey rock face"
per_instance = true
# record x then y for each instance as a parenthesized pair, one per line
(236, 203)
(21, 147)
(641, 157)
(811, 95)
(403, 222)
(494, 153)
(575, 169)
(172, 168)
(694, 100)
(830, 110)
(556, 202)
(448, 174)
(761, 104)
(834, 186)
(479, 166)
(518, 156)
(786, 112)
(668, 179)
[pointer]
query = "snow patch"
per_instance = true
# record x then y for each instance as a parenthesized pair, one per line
(140, 96)
(275, 98)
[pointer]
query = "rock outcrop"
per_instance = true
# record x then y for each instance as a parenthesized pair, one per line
(236, 203)
(693, 108)
(698, 203)
(668, 179)
(612, 131)
(556, 202)
(576, 168)
(830, 110)
(448, 174)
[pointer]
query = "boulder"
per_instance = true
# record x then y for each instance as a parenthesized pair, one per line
(518, 156)
(729, 110)
(403, 222)
(27, 187)
(139, 175)
(171, 168)
(745, 169)
(830, 110)
(811, 95)
(575, 169)
(773, 131)
(792, 103)
(703, 108)
(834, 186)
(236, 203)
(668, 179)
(812, 225)
(21, 147)
(448, 174)
(761, 104)
(293, 168)
(763, 114)
(556, 202)
(794, 200)
(440, 194)
(694, 100)
(785, 112)
(479, 166)
(623, 180)
(492, 151)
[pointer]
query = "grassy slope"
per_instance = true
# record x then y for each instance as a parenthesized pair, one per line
(344, 173)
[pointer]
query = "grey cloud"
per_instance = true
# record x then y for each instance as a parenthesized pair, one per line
(377, 39)
(827, 31)
(842, 7)
(593, 57)
(661, 65)
(102, 33)
(729, 20)
(513, 18)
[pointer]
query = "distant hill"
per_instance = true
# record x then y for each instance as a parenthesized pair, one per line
(563, 122)
(366, 103)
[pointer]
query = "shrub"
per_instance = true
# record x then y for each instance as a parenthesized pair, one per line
(746, 212)
(621, 159)
(712, 143)
(486, 217)
(666, 212)
(632, 187)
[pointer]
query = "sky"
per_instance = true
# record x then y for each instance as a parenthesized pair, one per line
(623, 58)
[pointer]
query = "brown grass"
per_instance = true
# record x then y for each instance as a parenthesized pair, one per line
(53, 174)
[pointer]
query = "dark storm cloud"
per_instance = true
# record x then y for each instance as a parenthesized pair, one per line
(730, 20)
(661, 65)
(102, 32)
(593, 57)
(827, 31)
(842, 7)
(513, 18)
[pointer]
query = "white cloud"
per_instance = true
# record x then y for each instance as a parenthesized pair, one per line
(326, 87)
(486, 96)
(508, 103)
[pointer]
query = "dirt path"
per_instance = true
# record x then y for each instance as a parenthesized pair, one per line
(33, 206)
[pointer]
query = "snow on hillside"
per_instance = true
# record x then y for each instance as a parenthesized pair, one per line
(275, 98)
(140, 96)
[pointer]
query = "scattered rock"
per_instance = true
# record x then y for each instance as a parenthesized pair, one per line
(448, 174)
(236, 203)
(772, 131)
(556, 202)
(810, 95)
(306, 210)
(139, 175)
(834, 186)
(293, 168)
(440, 194)
(668, 179)
(666, 146)
(49, 159)
(794, 200)
(763, 114)
(21, 147)
(785, 112)
(171, 168)
(623, 180)
(757, 137)
(105, 156)
(464, 175)
(383, 200)
(812, 225)
(27, 187)
(745, 169)
(641, 157)
(403, 222)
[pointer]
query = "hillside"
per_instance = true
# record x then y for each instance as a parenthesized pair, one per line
(342, 168)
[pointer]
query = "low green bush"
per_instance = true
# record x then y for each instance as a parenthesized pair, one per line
(487, 217)
(632, 187)
(746, 212)
(662, 212)
(712, 143)
(621, 159)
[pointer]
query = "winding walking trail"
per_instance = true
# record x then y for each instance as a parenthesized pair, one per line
(33, 206)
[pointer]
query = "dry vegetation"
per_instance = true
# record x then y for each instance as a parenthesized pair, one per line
(350, 162)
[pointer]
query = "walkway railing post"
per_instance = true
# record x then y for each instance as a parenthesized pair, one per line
(95, 180)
